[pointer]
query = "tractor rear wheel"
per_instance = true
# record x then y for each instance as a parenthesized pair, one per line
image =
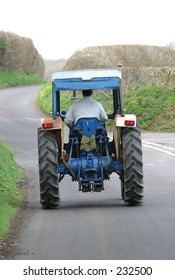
(132, 176)
(48, 166)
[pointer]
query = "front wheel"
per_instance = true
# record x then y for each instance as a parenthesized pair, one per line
(48, 166)
(132, 175)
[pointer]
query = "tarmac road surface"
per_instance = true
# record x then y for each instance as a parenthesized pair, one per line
(90, 225)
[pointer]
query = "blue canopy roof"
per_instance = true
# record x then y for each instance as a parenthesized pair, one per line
(87, 79)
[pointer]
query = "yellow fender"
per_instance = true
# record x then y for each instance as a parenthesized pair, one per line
(57, 125)
(128, 120)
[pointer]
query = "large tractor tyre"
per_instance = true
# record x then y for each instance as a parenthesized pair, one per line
(48, 166)
(132, 176)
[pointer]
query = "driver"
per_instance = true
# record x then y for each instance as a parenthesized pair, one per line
(86, 107)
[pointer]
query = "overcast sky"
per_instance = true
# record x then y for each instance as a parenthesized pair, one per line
(60, 27)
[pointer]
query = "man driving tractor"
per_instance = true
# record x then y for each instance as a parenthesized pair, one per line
(86, 107)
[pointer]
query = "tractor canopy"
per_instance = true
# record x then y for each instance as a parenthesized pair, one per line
(95, 79)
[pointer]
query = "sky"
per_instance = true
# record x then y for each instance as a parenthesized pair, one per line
(58, 28)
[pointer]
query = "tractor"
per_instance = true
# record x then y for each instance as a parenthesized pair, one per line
(90, 156)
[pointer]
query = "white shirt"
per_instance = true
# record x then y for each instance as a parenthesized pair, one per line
(86, 107)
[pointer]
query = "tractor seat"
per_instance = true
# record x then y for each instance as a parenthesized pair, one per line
(88, 126)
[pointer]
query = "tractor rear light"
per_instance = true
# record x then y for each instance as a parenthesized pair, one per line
(129, 122)
(125, 120)
(66, 157)
(47, 125)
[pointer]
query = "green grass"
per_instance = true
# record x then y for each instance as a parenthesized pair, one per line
(11, 196)
(45, 99)
(153, 106)
(13, 79)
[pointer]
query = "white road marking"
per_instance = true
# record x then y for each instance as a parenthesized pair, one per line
(159, 147)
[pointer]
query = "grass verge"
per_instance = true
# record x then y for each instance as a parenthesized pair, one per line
(11, 195)
(13, 79)
(154, 107)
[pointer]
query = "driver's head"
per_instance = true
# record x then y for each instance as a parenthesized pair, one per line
(87, 92)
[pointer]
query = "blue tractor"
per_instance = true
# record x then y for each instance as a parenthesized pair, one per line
(90, 156)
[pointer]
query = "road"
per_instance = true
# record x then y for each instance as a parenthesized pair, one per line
(90, 225)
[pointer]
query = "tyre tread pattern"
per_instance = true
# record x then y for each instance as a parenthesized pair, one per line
(48, 169)
(133, 166)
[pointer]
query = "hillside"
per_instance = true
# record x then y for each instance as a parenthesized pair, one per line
(142, 65)
(19, 54)
(128, 55)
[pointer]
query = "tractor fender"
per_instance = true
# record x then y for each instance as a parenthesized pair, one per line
(51, 123)
(56, 125)
(127, 120)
